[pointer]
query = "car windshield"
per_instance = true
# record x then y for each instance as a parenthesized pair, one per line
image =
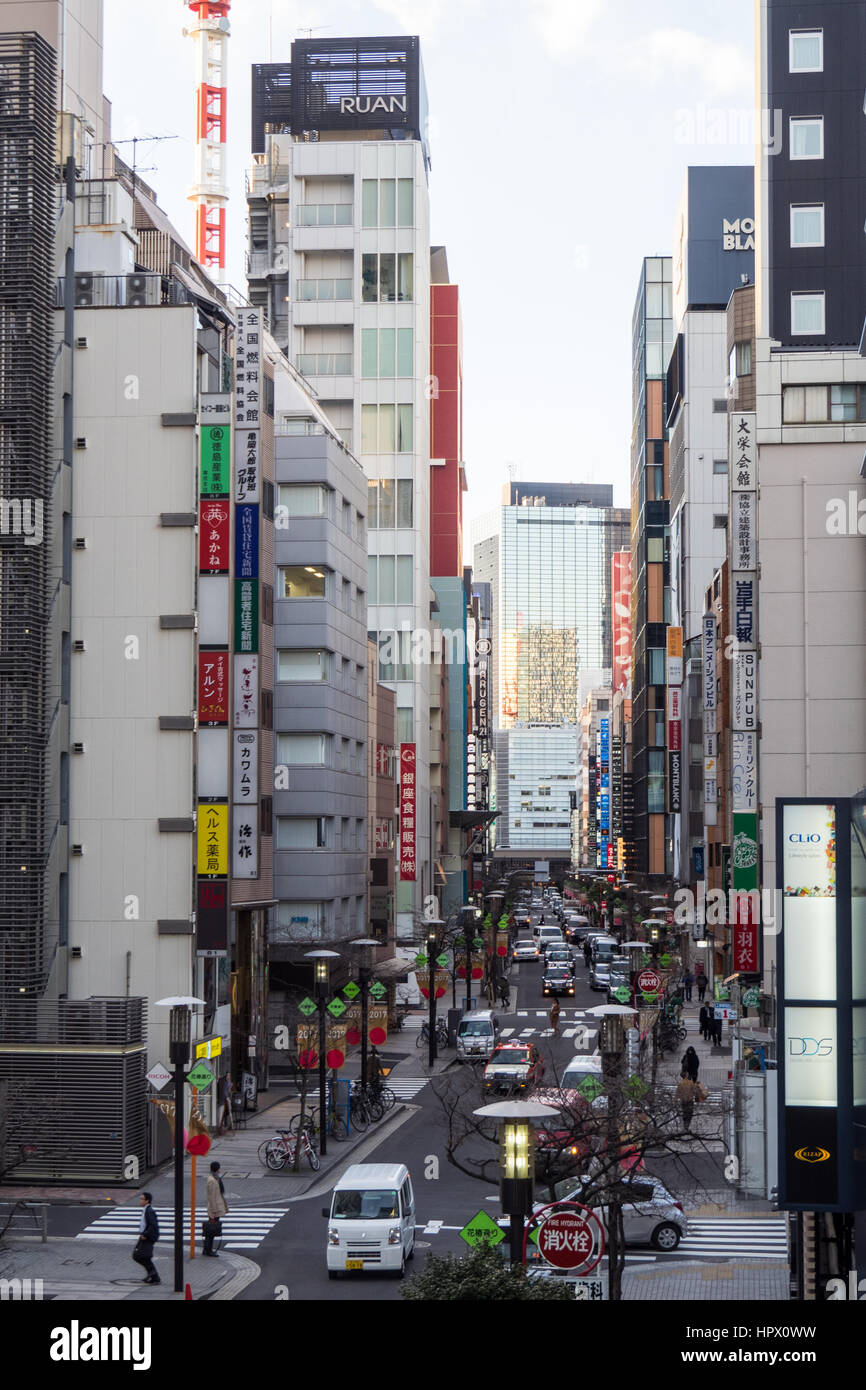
(511, 1055)
(475, 1028)
(372, 1204)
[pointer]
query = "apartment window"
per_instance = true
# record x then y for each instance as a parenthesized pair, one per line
(268, 605)
(387, 203)
(806, 138)
(395, 661)
(301, 832)
(297, 920)
(720, 465)
(806, 50)
(807, 224)
(843, 402)
(740, 361)
(386, 429)
(266, 815)
(302, 664)
(369, 203)
(405, 579)
(389, 502)
(268, 396)
(386, 352)
(405, 203)
(267, 499)
(807, 314)
(302, 581)
(303, 499)
(267, 709)
(325, 215)
(304, 750)
(386, 277)
(390, 578)
(720, 521)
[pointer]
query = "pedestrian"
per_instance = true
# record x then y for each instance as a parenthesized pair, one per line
(686, 1094)
(587, 953)
(217, 1207)
(554, 1015)
(375, 1069)
(691, 1064)
(717, 1032)
(688, 981)
(148, 1236)
(504, 993)
(704, 1022)
(701, 982)
(225, 1115)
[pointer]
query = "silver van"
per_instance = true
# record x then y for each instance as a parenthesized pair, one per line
(477, 1035)
(371, 1220)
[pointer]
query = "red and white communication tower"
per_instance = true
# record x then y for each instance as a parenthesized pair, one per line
(210, 29)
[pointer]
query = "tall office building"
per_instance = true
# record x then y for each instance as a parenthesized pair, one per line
(652, 339)
(339, 260)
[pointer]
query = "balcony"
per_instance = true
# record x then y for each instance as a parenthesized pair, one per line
(324, 215)
(324, 363)
(123, 292)
(323, 289)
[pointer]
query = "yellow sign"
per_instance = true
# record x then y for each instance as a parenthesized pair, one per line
(675, 641)
(213, 841)
(212, 1048)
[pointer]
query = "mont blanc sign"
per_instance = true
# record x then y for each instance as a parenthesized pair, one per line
(368, 106)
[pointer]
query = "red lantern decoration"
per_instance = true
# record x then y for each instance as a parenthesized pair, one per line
(198, 1144)
(335, 1058)
(378, 1036)
(308, 1059)
(353, 1034)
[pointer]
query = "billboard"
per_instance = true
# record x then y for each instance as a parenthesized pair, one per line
(407, 811)
(213, 840)
(621, 618)
(213, 687)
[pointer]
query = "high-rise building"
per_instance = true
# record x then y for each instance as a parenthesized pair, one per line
(339, 261)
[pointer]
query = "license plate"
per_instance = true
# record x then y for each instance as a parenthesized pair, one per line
(354, 1264)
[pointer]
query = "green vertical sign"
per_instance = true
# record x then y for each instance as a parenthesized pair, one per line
(215, 460)
(744, 851)
(246, 615)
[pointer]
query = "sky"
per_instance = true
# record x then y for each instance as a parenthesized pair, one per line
(560, 133)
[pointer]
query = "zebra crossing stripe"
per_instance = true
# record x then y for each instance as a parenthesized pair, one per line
(506, 1032)
(243, 1229)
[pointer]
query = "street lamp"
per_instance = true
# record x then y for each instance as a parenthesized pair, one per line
(433, 925)
(516, 1162)
(321, 968)
(470, 914)
(611, 1045)
(365, 970)
(179, 1035)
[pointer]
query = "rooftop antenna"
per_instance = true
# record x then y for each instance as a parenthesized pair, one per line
(135, 141)
(319, 27)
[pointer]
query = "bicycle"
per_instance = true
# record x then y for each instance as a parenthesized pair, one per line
(337, 1127)
(424, 1035)
(367, 1097)
(383, 1094)
(281, 1151)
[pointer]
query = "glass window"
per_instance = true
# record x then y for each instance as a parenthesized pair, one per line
(404, 352)
(404, 276)
(372, 577)
(405, 587)
(655, 549)
(405, 725)
(369, 352)
(404, 429)
(387, 203)
(404, 502)
(300, 920)
(303, 499)
(303, 750)
(807, 137)
(369, 278)
(386, 503)
(301, 581)
(807, 224)
(793, 404)
(406, 202)
(301, 832)
(386, 579)
(720, 465)
(369, 427)
(386, 429)
(656, 674)
(386, 351)
(369, 203)
(807, 314)
(387, 278)
(806, 50)
(843, 402)
(372, 502)
(302, 664)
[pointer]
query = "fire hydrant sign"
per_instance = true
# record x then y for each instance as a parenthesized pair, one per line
(571, 1240)
(649, 982)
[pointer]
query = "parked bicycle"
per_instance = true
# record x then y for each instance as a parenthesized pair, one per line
(383, 1094)
(280, 1152)
(423, 1038)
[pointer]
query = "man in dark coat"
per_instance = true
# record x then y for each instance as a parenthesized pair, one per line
(143, 1252)
(704, 1022)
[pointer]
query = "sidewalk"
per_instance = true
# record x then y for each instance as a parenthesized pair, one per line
(764, 1281)
(73, 1270)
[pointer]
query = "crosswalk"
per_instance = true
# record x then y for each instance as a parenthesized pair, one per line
(243, 1229)
(749, 1238)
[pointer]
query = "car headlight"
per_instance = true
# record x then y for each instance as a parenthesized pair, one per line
(333, 1235)
(394, 1235)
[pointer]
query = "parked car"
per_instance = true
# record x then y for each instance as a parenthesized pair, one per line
(525, 949)
(650, 1215)
(513, 1067)
(599, 975)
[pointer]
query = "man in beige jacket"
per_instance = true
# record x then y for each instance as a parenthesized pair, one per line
(216, 1205)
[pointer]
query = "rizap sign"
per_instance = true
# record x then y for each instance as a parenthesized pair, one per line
(738, 235)
(368, 106)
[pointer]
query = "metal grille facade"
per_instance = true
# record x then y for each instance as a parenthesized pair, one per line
(27, 210)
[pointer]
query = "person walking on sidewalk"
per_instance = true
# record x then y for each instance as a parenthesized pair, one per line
(688, 981)
(716, 1027)
(691, 1064)
(217, 1207)
(149, 1235)
(704, 1018)
(701, 982)
(225, 1116)
(687, 1094)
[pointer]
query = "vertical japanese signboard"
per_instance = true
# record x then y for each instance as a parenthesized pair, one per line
(407, 811)
(743, 500)
(621, 619)
(213, 687)
(214, 533)
(215, 446)
(213, 823)
(708, 680)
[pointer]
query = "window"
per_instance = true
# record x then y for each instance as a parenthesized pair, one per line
(386, 352)
(807, 224)
(806, 138)
(302, 664)
(404, 502)
(267, 709)
(303, 499)
(405, 203)
(720, 521)
(386, 429)
(268, 605)
(655, 549)
(740, 361)
(386, 277)
(301, 832)
(656, 657)
(843, 402)
(395, 663)
(325, 215)
(387, 203)
(267, 499)
(302, 581)
(268, 395)
(806, 405)
(381, 493)
(807, 314)
(720, 465)
(266, 810)
(304, 750)
(299, 920)
(405, 581)
(806, 50)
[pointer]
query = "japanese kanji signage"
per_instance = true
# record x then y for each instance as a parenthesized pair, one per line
(571, 1238)
(744, 551)
(245, 785)
(745, 594)
(742, 465)
(744, 770)
(246, 615)
(247, 465)
(213, 687)
(213, 538)
(744, 696)
(248, 369)
(709, 660)
(675, 655)
(246, 692)
(213, 838)
(708, 667)
(407, 811)
(745, 941)
(215, 446)
(247, 542)
(245, 841)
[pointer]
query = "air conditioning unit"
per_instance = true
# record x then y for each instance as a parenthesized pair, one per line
(78, 747)
(79, 645)
(84, 290)
(77, 850)
(81, 441)
(80, 543)
(82, 342)
(141, 290)
(76, 952)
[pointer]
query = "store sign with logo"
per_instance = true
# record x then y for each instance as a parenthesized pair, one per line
(744, 695)
(744, 770)
(407, 812)
(738, 234)
(368, 106)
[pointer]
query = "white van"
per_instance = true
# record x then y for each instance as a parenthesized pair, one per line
(371, 1219)
(477, 1035)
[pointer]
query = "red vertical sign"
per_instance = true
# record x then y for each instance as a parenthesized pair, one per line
(744, 931)
(621, 618)
(407, 810)
(213, 539)
(213, 687)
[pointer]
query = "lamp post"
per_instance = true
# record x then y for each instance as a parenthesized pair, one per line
(611, 1045)
(470, 915)
(179, 1042)
(433, 924)
(365, 945)
(321, 969)
(516, 1162)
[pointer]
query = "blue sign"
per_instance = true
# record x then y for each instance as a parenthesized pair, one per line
(698, 860)
(247, 542)
(605, 740)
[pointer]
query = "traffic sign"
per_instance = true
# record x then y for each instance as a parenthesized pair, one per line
(307, 1006)
(159, 1076)
(665, 960)
(336, 1007)
(649, 982)
(622, 993)
(377, 989)
(635, 1087)
(481, 1230)
(200, 1076)
(571, 1239)
(478, 942)
(420, 959)
(351, 990)
(590, 1088)
(442, 960)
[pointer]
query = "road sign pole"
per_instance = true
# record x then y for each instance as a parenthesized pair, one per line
(515, 1234)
